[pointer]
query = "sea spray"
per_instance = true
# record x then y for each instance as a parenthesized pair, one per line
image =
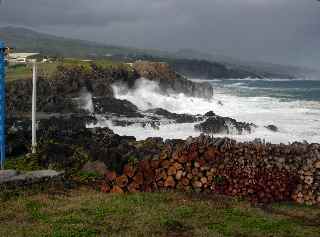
(297, 120)
(147, 95)
(85, 100)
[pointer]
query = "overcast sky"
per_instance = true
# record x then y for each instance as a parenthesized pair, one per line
(279, 31)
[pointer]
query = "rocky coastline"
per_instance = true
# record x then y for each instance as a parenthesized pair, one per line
(258, 171)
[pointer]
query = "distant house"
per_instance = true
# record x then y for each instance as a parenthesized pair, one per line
(20, 58)
(46, 60)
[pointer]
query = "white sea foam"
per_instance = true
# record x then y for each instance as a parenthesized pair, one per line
(296, 120)
(85, 100)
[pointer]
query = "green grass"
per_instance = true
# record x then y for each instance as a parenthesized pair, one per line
(85, 212)
(18, 72)
(21, 71)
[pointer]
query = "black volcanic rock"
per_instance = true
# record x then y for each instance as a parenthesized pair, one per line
(171, 82)
(178, 118)
(53, 97)
(272, 128)
(59, 93)
(64, 143)
(210, 114)
(218, 124)
(118, 107)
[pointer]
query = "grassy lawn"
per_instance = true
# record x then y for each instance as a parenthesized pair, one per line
(85, 212)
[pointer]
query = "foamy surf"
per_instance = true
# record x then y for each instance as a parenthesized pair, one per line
(297, 120)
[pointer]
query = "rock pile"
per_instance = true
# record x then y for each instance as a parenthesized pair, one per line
(259, 172)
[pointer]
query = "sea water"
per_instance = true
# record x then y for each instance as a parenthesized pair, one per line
(291, 105)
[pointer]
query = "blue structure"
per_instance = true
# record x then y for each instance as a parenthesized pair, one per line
(2, 105)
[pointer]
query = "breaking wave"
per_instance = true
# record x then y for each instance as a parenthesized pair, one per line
(297, 120)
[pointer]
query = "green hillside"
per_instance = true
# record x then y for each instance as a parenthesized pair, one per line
(22, 39)
(188, 62)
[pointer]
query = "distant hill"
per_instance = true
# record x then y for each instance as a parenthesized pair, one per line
(262, 69)
(22, 39)
(188, 62)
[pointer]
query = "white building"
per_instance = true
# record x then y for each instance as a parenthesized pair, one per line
(17, 58)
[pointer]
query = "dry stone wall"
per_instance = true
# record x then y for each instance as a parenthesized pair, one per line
(259, 172)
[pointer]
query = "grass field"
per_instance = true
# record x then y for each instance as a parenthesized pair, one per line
(85, 212)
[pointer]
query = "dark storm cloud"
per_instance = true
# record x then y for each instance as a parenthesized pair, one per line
(66, 12)
(286, 31)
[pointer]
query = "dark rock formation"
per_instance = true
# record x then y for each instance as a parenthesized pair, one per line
(210, 114)
(153, 123)
(52, 96)
(178, 118)
(272, 128)
(219, 124)
(96, 79)
(64, 143)
(104, 105)
(209, 70)
(57, 94)
(61, 92)
(170, 81)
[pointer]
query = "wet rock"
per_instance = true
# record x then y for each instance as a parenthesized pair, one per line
(119, 107)
(220, 103)
(210, 114)
(218, 124)
(178, 118)
(272, 128)
(123, 122)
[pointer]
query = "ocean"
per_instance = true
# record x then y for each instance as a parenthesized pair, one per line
(291, 105)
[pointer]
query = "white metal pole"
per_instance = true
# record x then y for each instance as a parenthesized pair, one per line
(34, 108)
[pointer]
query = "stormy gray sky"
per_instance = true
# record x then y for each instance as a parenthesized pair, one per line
(279, 31)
